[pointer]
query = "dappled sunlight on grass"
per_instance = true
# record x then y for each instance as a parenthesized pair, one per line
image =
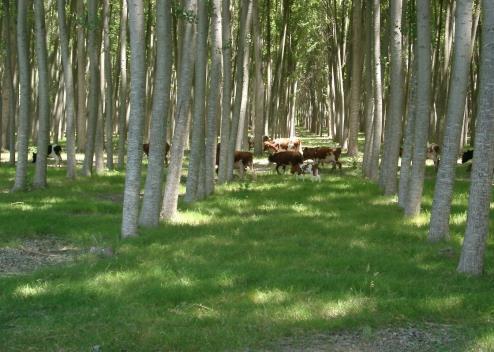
(384, 201)
(444, 304)
(269, 296)
(342, 308)
(192, 218)
(421, 220)
(31, 289)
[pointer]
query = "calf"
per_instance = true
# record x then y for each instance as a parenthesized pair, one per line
(54, 151)
(467, 156)
(309, 169)
(241, 161)
(285, 158)
(145, 149)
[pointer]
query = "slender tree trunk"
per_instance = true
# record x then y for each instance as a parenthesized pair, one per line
(170, 198)
(259, 84)
(43, 96)
(226, 97)
(377, 130)
(94, 88)
(122, 99)
(213, 108)
(394, 121)
(108, 86)
(81, 77)
(474, 244)
(8, 100)
(356, 79)
(197, 151)
(153, 189)
(69, 91)
(443, 192)
(24, 95)
(414, 197)
(136, 121)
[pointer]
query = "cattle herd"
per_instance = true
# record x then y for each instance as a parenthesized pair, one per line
(283, 152)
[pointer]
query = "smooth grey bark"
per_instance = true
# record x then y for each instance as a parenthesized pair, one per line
(378, 104)
(20, 183)
(94, 89)
(99, 139)
(369, 93)
(153, 188)
(108, 86)
(393, 129)
(170, 197)
(81, 76)
(122, 97)
(8, 94)
(197, 147)
(443, 192)
(241, 86)
(136, 121)
(43, 98)
(69, 90)
(226, 110)
(406, 157)
(474, 244)
(258, 81)
(213, 108)
(414, 197)
(356, 79)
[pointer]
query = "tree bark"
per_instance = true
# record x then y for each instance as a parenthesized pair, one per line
(443, 192)
(259, 84)
(473, 249)
(153, 189)
(20, 183)
(108, 86)
(69, 91)
(122, 99)
(81, 77)
(136, 121)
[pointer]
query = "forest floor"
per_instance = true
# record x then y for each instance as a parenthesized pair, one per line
(271, 264)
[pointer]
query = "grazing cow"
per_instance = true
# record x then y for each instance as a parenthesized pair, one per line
(433, 151)
(308, 169)
(285, 158)
(281, 144)
(241, 161)
(145, 149)
(466, 156)
(54, 151)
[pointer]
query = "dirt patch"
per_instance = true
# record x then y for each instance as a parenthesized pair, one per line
(430, 337)
(34, 254)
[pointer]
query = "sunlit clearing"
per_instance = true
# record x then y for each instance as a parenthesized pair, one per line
(459, 219)
(31, 290)
(339, 309)
(193, 218)
(384, 201)
(419, 220)
(266, 297)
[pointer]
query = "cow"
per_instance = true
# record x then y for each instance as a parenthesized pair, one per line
(54, 151)
(145, 149)
(284, 158)
(241, 161)
(281, 144)
(467, 156)
(323, 155)
(433, 152)
(310, 169)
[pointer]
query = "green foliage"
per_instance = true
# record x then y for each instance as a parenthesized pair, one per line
(257, 261)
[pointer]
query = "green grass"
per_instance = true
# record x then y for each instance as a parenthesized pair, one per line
(256, 262)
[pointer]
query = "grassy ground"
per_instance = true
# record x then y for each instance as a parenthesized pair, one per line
(257, 262)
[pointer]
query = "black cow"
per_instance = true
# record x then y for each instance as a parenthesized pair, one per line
(54, 151)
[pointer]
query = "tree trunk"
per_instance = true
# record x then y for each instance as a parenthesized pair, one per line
(414, 197)
(197, 147)
(472, 253)
(213, 108)
(259, 84)
(170, 198)
(227, 96)
(81, 77)
(122, 99)
(443, 192)
(24, 95)
(153, 189)
(94, 88)
(394, 121)
(356, 79)
(136, 121)
(108, 85)
(43, 96)
(69, 90)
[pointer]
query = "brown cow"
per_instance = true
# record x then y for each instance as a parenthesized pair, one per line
(241, 161)
(284, 158)
(323, 155)
(145, 149)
